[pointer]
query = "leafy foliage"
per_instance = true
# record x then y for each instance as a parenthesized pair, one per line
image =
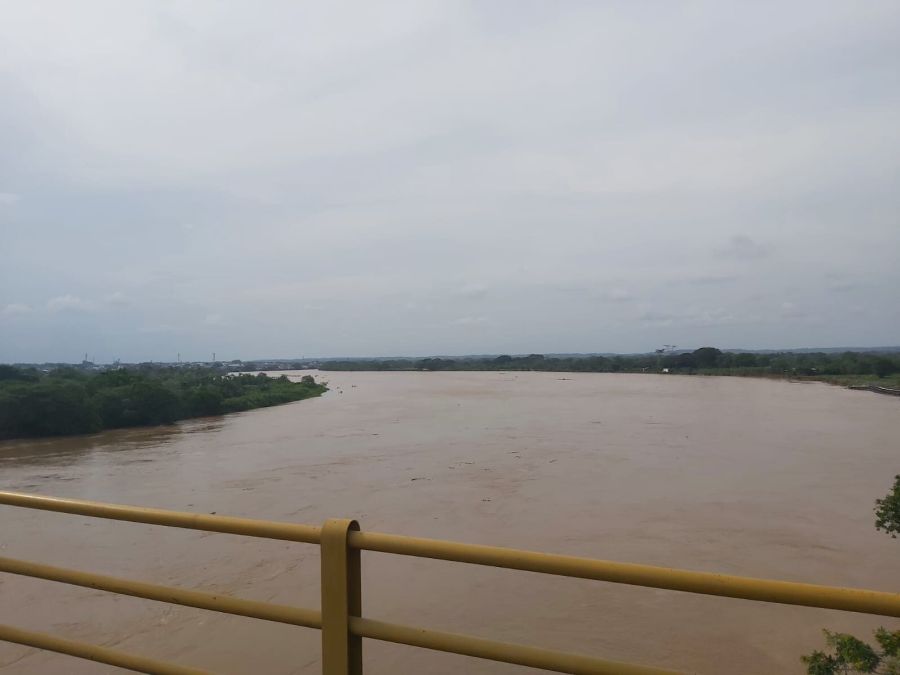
(852, 655)
(853, 652)
(70, 401)
(889, 641)
(820, 663)
(887, 511)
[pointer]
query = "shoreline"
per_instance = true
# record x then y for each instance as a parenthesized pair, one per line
(850, 383)
(149, 402)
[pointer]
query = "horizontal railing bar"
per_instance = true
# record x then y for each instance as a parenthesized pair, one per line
(309, 618)
(95, 653)
(506, 652)
(706, 583)
(380, 630)
(308, 534)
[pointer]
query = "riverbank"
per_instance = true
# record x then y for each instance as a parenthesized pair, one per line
(857, 382)
(876, 388)
(860, 382)
(834, 368)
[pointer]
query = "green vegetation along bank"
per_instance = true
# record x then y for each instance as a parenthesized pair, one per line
(70, 401)
(847, 368)
(848, 654)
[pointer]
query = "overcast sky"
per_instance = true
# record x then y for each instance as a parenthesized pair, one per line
(324, 179)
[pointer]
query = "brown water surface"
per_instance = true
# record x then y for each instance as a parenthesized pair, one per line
(743, 476)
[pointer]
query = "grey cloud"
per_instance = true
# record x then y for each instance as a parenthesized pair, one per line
(214, 319)
(617, 295)
(841, 282)
(657, 317)
(469, 321)
(474, 291)
(789, 310)
(160, 328)
(117, 299)
(696, 317)
(712, 279)
(742, 247)
(73, 303)
(843, 286)
(445, 178)
(16, 309)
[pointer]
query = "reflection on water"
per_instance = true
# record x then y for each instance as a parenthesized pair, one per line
(71, 449)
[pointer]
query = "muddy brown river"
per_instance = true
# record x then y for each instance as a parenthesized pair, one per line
(743, 476)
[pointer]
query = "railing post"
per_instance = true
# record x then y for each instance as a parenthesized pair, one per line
(341, 598)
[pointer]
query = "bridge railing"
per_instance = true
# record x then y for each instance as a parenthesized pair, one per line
(340, 617)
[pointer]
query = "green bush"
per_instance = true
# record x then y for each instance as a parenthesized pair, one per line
(69, 401)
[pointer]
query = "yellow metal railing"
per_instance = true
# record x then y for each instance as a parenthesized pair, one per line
(340, 619)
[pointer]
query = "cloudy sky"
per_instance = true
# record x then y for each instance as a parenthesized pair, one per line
(287, 179)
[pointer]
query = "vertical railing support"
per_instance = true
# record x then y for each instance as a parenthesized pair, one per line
(341, 598)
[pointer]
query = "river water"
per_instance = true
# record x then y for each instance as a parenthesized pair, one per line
(742, 476)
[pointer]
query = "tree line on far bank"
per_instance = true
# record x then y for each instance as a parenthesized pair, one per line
(706, 360)
(71, 401)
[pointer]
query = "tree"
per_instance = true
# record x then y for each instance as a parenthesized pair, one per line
(12, 373)
(706, 357)
(686, 360)
(745, 360)
(204, 401)
(47, 409)
(69, 401)
(883, 367)
(820, 663)
(887, 511)
(436, 364)
(850, 654)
